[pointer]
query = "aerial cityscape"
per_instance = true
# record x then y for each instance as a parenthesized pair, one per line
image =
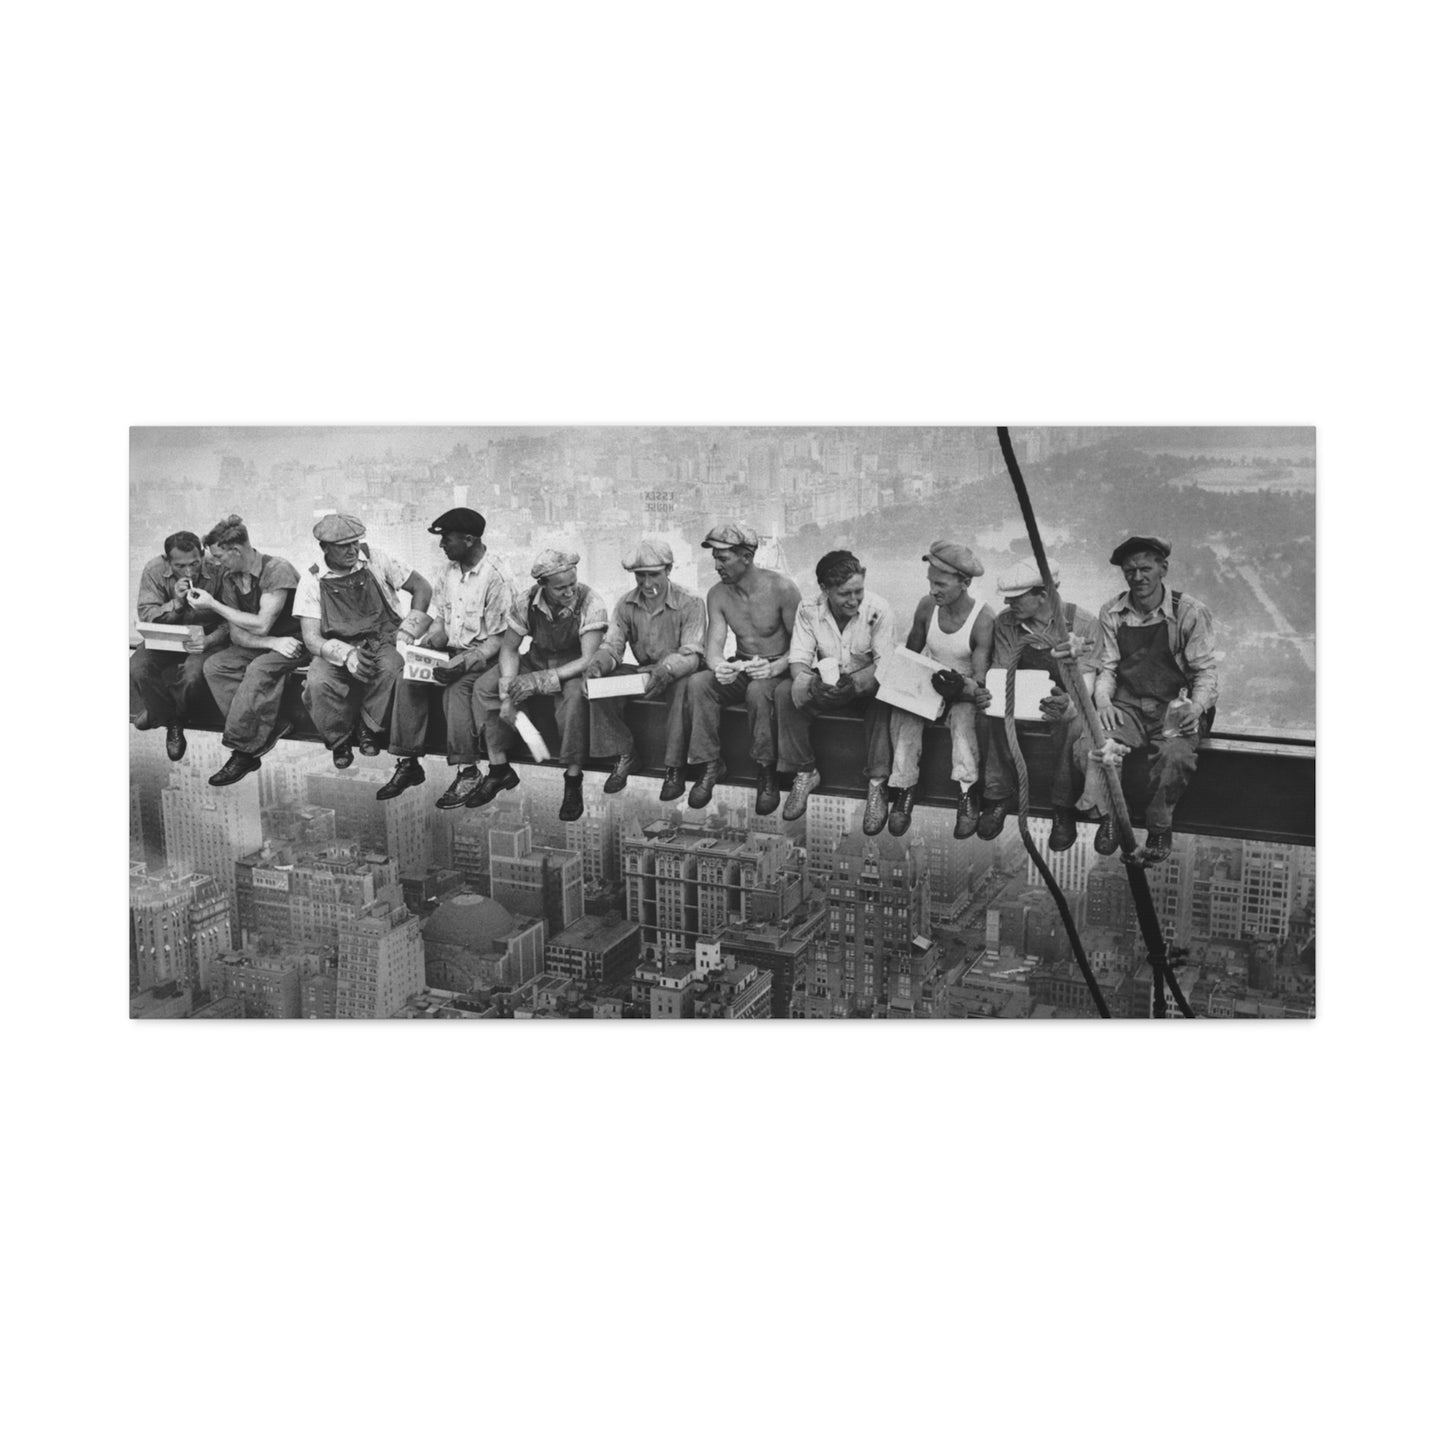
(291, 890)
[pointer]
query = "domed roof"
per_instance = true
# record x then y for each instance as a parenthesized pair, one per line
(468, 920)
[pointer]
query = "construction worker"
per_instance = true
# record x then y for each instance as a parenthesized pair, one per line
(565, 620)
(1157, 684)
(664, 624)
(953, 627)
(851, 629)
(352, 619)
(166, 687)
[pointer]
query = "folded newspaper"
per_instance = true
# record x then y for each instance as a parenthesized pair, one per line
(418, 662)
(905, 680)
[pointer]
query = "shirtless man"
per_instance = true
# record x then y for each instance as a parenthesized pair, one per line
(759, 606)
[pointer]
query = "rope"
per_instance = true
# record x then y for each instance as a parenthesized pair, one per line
(1060, 902)
(1149, 927)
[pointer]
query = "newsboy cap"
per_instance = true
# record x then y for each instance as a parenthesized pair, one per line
(551, 561)
(1130, 545)
(731, 534)
(339, 527)
(1023, 577)
(954, 557)
(647, 552)
(459, 519)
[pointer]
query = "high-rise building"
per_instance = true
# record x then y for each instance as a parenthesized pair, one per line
(1071, 870)
(396, 827)
(598, 952)
(537, 881)
(471, 849)
(300, 894)
(829, 818)
(180, 926)
(380, 959)
(149, 774)
(784, 950)
(298, 823)
(267, 982)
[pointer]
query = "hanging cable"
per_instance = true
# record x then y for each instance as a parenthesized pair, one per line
(1149, 928)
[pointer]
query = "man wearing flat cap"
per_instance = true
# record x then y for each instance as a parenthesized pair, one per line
(565, 620)
(351, 621)
(1157, 684)
(470, 599)
(1023, 637)
(759, 606)
(664, 625)
(954, 628)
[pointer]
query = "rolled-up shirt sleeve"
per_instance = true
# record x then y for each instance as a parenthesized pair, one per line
(615, 643)
(803, 651)
(1107, 659)
(594, 615)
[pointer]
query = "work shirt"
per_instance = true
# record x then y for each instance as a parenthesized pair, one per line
(243, 591)
(156, 594)
(592, 618)
(1027, 640)
(472, 603)
(675, 630)
(390, 574)
(858, 647)
(1191, 643)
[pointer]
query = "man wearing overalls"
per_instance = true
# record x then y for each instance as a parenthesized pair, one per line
(565, 620)
(1023, 635)
(1158, 649)
(351, 620)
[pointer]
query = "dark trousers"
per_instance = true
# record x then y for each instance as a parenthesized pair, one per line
(1172, 762)
(335, 699)
(795, 740)
(411, 706)
(1000, 779)
(707, 697)
(249, 687)
(165, 687)
(569, 707)
(611, 737)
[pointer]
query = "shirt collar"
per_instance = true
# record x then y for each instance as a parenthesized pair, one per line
(669, 597)
(540, 598)
(1165, 607)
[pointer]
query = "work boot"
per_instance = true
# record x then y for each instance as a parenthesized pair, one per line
(1065, 832)
(175, 742)
(283, 730)
(342, 755)
(965, 825)
(571, 808)
(768, 795)
(408, 774)
(674, 785)
(901, 816)
(617, 778)
(1157, 846)
(875, 810)
(712, 774)
(368, 744)
(462, 785)
(1106, 840)
(803, 784)
(993, 817)
(498, 780)
(234, 769)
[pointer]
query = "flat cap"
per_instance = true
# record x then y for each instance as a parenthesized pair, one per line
(1130, 545)
(460, 519)
(550, 561)
(731, 534)
(647, 552)
(339, 527)
(1023, 577)
(954, 557)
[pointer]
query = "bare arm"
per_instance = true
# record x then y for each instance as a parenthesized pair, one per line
(717, 630)
(918, 632)
(418, 622)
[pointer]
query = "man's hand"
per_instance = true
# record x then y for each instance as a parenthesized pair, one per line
(1058, 706)
(193, 644)
(449, 670)
(657, 683)
(360, 666)
(949, 685)
(1074, 647)
(594, 669)
(1111, 754)
(725, 672)
(287, 646)
(1190, 725)
(199, 598)
(1110, 718)
(523, 686)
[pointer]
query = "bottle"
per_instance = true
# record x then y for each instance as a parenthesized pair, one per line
(1176, 713)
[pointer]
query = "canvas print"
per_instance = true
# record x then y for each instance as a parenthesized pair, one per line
(722, 723)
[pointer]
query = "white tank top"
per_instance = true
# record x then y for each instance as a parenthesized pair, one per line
(952, 647)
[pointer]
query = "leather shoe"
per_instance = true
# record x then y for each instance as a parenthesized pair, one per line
(408, 774)
(1106, 840)
(175, 742)
(342, 755)
(617, 778)
(803, 784)
(1065, 832)
(965, 825)
(571, 808)
(673, 785)
(712, 774)
(498, 780)
(1157, 846)
(461, 786)
(993, 817)
(235, 768)
(368, 744)
(875, 810)
(901, 815)
(768, 795)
